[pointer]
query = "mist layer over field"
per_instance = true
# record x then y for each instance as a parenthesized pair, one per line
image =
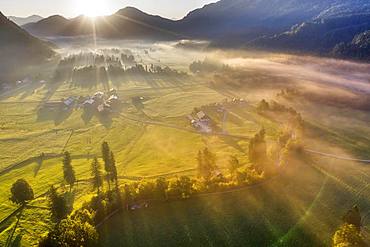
(151, 137)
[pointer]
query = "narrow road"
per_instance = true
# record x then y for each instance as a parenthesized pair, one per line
(149, 122)
(336, 156)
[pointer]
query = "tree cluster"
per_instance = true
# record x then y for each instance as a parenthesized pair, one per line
(75, 230)
(206, 66)
(206, 163)
(258, 149)
(109, 165)
(349, 233)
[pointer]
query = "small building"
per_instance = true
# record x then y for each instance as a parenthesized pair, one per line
(112, 98)
(68, 103)
(201, 115)
(112, 91)
(103, 108)
(98, 95)
(89, 101)
(100, 108)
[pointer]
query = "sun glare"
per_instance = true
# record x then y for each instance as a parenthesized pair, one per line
(92, 8)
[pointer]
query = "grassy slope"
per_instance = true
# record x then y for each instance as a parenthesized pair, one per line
(141, 149)
(297, 209)
(316, 199)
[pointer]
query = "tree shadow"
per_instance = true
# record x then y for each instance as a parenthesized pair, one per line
(70, 198)
(58, 115)
(37, 168)
(87, 115)
(105, 119)
(17, 241)
(231, 142)
(30, 91)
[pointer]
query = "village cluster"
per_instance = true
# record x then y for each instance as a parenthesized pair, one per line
(100, 102)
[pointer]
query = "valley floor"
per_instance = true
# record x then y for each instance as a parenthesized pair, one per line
(301, 207)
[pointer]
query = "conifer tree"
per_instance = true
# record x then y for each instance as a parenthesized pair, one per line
(69, 174)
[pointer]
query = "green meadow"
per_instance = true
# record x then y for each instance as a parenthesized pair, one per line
(301, 207)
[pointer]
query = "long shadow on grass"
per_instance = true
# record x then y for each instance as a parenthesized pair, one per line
(39, 162)
(231, 142)
(258, 216)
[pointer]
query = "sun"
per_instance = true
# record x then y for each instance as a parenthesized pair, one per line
(92, 8)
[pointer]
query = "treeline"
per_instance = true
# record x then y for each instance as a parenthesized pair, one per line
(296, 121)
(80, 226)
(207, 66)
(136, 195)
(92, 75)
(91, 68)
(64, 69)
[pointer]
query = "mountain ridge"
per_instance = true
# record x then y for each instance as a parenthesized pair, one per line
(285, 25)
(20, 48)
(20, 21)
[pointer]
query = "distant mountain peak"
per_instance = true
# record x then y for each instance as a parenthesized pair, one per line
(19, 48)
(55, 17)
(20, 21)
(129, 9)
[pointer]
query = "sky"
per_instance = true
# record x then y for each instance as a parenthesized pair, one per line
(173, 9)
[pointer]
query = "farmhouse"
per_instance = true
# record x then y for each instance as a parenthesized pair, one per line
(201, 123)
(100, 108)
(104, 108)
(112, 91)
(89, 102)
(98, 95)
(201, 115)
(68, 103)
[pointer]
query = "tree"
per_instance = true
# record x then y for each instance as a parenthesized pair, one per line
(58, 204)
(21, 192)
(97, 174)
(258, 148)
(69, 174)
(263, 105)
(206, 163)
(106, 154)
(348, 236)
(161, 186)
(77, 230)
(234, 164)
(186, 186)
(145, 190)
(113, 174)
(180, 187)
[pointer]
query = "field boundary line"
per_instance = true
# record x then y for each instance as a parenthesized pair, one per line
(184, 129)
(69, 138)
(336, 156)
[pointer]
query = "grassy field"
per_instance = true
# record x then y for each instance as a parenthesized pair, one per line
(302, 207)
(141, 148)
